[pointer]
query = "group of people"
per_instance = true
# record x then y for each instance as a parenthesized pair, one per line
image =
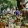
(22, 12)
(20, 15)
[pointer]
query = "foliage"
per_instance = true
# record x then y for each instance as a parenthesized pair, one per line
(8, 2)
(1, 1)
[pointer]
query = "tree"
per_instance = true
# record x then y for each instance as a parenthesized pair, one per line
(18, 3)
(10, 3)
(1, 1)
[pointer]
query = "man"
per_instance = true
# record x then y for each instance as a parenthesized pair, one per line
(17, 12)
(23, 11)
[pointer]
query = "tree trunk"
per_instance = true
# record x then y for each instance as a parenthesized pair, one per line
(18, 4)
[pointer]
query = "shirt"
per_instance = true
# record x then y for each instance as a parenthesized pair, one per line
(17, 12)
(23, 13)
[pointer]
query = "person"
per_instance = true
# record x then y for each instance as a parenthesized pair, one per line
(26, 15)
(18, 22)
(17, 12)
(23, 11)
